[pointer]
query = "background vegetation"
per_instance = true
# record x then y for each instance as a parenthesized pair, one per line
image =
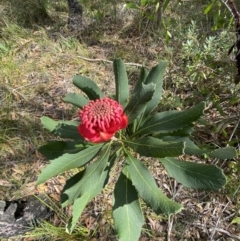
(40, 55)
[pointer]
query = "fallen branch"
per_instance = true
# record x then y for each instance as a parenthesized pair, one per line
(107, 61)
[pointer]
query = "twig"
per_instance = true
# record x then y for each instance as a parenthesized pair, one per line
(229, 8)
(218, 230)
(230, 138)
(170, 220)
(107, 61)
(170, 224)
(233, 9)
(23, 86)
(227, 233)
(235, 128)
(215, 229)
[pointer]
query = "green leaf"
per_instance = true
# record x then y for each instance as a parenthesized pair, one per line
(155, 76)
(77, 177)
(142, 77)
(170, 121)
(4, 48)
(88, 87)
(166, 2)
(55, 149)
(224, 153)
(76, 99)
(147, 188)
(49, 123)
(77, 208)
(64, 129)
(190, 147)
(90, 177)
(153, 147)
(144, 2)
(139, 101)
(91, 183)
(67, 162)
(195, 175)
(121, 81)
(208, 8)
(68, 131)
(182, 132)
(69, 183)
(236, 220)
(127, 213)
(132, 5)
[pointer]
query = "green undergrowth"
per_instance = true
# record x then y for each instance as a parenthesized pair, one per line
(39, 57)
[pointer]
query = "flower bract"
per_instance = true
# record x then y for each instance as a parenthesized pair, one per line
(101, 119)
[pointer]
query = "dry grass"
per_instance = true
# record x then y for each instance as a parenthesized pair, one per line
(36, 72)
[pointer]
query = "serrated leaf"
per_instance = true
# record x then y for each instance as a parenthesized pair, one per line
(92, 182)
(64, 129)
(223, 153)
(55, 149)
(127, 213)
(142, 77)
(69, 183)
(190, 147)
(182, 132)
(155, 76)
(195, 175)
(138, 102)
(49, 123)
(147, 188)
(88, 87)
(170, 121)
(67, 162)
(91, 175)
(153, 147)
(77, 208)
(76, 99)
(77, 177)
(121, 82)
(68, 131)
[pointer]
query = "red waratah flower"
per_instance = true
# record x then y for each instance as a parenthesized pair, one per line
(101, 119)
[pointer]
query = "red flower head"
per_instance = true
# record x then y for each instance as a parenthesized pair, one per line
(101, 119)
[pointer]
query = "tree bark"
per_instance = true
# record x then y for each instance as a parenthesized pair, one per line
(75, 15)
